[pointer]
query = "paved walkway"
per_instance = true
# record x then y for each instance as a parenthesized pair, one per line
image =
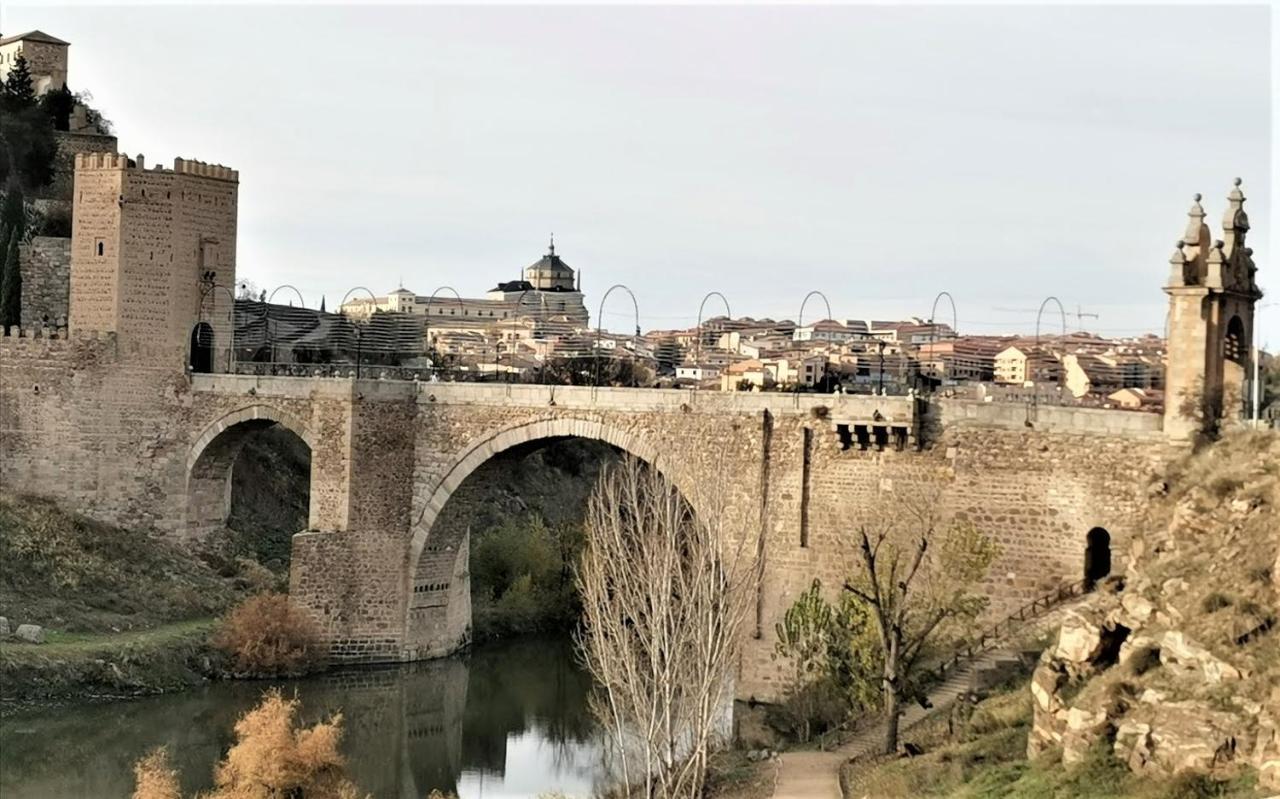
(816, 775)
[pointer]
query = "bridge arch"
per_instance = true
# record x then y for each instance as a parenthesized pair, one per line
(213, 455)
(438, 610)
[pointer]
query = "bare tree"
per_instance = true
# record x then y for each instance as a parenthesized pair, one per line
(914, 590)
(665, 596)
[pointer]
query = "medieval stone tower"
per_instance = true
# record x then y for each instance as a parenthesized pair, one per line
(1212, 292)
(153, 257)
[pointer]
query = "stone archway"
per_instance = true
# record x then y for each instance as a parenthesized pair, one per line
(1097, 555)
(200, 358)
(438, 607)
(210, 462)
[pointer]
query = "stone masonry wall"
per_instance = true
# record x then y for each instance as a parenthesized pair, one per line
(45, 264)
(118, 440)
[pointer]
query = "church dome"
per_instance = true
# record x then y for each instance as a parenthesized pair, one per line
(550, 273)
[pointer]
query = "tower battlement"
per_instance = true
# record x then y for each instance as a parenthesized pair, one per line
(181, 166)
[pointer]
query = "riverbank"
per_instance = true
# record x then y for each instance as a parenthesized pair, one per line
(122, 612)
(80, 666)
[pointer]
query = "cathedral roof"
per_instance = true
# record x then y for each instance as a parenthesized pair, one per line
(551, 262)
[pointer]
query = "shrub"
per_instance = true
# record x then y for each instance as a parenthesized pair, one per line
(270, 758)
(266, 636)
(155, 778)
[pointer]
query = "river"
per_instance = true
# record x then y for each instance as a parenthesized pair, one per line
(507, 720)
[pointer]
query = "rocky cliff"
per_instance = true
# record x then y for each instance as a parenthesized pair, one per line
(1175, 665)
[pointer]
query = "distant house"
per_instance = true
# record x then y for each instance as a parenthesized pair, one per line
(1016, 365)
(1137, 399)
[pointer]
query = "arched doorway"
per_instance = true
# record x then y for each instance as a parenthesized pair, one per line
(440, 613)
(202, 348)
(1097, 555)
(249, 486)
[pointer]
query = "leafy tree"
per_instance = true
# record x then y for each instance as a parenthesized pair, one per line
(913, 593)
(587, 370)
(11, 287)
(13, 222)
(19, 92)
(835, 663)
(28, 149)
(58, 105)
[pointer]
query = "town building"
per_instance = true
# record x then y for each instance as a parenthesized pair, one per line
(46, 58)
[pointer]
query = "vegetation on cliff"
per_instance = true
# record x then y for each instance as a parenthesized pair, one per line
(73, 574)
(1165, 683)
(525, 512)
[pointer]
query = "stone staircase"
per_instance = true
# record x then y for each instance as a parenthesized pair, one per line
(816, 774)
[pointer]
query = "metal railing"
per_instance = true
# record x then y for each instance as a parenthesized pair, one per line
(996, 632)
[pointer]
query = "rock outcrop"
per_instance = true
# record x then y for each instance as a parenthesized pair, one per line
(1176, 664)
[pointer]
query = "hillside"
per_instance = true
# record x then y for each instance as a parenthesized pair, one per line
(1175, 667)
(73, 574)
(1164, 684)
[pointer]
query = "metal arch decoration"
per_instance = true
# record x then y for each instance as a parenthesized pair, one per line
(807, 297)
(210, 290)
(933, 314)
(1039, 313)
(271, 336)
(1035, 394)
(432, 298)
(600, 321)
(356, 325)
(697, 344)
(515, 317)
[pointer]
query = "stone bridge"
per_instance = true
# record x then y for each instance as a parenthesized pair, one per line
(113, 422)
(88, 420)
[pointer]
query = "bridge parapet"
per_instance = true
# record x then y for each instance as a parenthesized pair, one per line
(1050, 418)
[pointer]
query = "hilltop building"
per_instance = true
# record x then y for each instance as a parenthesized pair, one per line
(549, 293)
(46, 58)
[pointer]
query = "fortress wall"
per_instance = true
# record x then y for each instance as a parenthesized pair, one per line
(45, 265)
(86, 425)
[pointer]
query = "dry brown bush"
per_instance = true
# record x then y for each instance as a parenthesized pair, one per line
(155, 778)
(266, 636)
(270, 759)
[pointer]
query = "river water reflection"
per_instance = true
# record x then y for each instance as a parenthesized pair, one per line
(508, 720)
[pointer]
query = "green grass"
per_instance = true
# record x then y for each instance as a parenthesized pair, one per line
(85, 665)
(987, 759)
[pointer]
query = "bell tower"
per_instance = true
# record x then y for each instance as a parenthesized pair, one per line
(1212, 293)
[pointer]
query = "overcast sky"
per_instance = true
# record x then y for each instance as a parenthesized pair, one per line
(879, 154)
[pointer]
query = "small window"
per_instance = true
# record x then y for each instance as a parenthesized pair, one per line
(101, 247)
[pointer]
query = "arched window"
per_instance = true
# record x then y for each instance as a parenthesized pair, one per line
(202, 348)
(1097, 555)
(1235, 348)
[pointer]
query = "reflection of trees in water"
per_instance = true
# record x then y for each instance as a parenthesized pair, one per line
(520, 686)
(406, 730)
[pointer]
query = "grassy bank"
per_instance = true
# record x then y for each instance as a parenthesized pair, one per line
(986, 757)
(169, 657)
(124, 612)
